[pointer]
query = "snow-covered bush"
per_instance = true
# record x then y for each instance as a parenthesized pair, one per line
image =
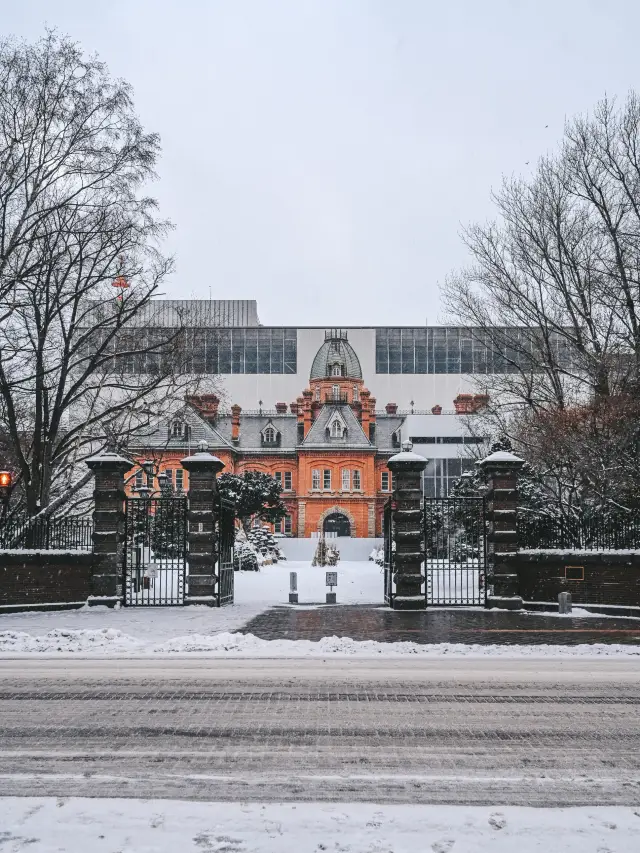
(326, 554)
(245, 557)
(265, 545)
(377, 556)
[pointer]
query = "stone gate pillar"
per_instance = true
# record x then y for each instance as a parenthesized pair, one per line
(108, 527)
(408, 559)
(501, 470)
(203, 470)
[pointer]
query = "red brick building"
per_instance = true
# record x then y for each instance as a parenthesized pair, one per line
(328, 448)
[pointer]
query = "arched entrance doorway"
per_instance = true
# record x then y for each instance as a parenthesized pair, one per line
(337, 523)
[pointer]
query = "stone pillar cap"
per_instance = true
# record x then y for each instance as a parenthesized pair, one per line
(108, 459)
(501, 456)
(203, 458)
(407, 455)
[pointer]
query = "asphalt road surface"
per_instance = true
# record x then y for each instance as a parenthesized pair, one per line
(526, 732)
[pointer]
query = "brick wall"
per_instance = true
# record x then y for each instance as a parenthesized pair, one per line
(44, 577)
(609, 577)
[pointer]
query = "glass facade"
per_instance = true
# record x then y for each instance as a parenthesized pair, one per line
(212, 351)
(440, 475)
(455, 350)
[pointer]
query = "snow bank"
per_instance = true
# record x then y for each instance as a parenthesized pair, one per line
(77, 825)
(113, 643)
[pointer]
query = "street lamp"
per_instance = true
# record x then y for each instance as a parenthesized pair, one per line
(6, 480)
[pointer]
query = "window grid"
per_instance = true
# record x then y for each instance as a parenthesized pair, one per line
(213, 351)
(384, 481)
(288, 481)
(326, 479)
(356, 481)
(457, 350)
(315, 479)
(179, 479)
(346, 480)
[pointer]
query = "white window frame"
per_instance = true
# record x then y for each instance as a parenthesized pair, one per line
(336, 370)
(287, 481)
(326, 479)
(315, 480)
(269, 431)
(337, 429)
(346, 480)
(356, 394)
(335, 391)
(357, 480)
(278, 477)
(317, 393)
(179, 480)
(385, 475)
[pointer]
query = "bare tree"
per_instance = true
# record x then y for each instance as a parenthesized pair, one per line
(553, 295)
(76, 370)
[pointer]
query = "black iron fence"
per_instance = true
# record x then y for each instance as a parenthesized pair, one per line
(454, 543)
(225, 536)
(602, 532)
(388, 551)
(62, 533)
(155, 551)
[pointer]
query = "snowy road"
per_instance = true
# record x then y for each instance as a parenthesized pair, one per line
(521, 732)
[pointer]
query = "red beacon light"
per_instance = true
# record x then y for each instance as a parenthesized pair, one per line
(5, 486)
(122, 284)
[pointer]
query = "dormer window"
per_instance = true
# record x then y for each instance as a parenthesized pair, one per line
(336, 370)
(336, 427)
(177, 429)
(270, 436)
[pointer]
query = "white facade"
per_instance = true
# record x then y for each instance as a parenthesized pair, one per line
(426, 390)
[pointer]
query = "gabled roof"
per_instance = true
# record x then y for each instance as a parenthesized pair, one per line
(317, 437)
(157, 436)
(251, 427)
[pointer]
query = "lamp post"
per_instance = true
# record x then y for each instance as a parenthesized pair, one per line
(6, 481)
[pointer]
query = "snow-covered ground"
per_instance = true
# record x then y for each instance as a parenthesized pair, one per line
(49, 825)
(204, 630)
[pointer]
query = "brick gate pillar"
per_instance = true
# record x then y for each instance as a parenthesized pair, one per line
(203, 470)
(108, 527)
(501, 470)
(408, 559)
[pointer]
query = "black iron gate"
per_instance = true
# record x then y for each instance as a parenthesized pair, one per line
(155, 551)
(387, 529)
(454, 544)
(225, 536)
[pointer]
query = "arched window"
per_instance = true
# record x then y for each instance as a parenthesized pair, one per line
(178, 429)
(336, 370)
(336, 429)
(269, 435)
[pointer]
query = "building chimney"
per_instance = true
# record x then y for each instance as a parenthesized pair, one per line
(306, 410)
(480, 401)
(364, 422)
(205, 404)
(281, 408)
(463, 404)
(391, 408)
(235, 423)
(436, 410)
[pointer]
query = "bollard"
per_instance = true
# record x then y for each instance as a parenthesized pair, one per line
(293, 587)
(564, 602)
(331, 580)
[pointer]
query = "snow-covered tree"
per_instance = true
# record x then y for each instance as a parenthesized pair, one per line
(80, 259)
(254, 495)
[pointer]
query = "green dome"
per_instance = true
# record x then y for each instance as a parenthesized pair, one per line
(336, 350)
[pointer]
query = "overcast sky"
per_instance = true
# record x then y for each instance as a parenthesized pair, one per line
(321, 156)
